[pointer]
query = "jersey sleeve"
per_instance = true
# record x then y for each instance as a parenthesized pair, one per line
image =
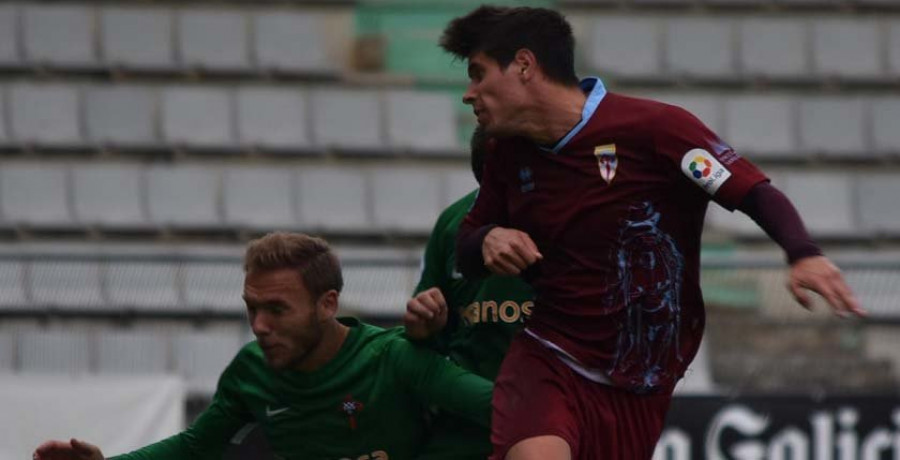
(208, 436)
(433, 272)
(435, 380)
(488, 211)
(703, 158)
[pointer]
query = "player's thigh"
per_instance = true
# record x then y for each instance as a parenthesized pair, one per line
(540, 448)
(532, 398)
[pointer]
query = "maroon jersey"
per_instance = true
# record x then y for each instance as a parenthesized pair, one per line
(617, 211)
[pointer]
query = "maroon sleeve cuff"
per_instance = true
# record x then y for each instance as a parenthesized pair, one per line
(775, 214)
(469, 258)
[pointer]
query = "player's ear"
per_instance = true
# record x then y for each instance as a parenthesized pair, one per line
(525, 63)
(328, 304)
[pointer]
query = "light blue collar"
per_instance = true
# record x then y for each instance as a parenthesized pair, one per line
(596, 92)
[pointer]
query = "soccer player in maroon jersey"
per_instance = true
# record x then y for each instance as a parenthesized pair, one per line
(598, 199)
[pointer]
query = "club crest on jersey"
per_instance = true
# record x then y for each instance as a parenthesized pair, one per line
(607, 161)
(350, 407)
(704, 169)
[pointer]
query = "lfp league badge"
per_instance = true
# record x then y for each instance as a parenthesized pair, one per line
(606, 159)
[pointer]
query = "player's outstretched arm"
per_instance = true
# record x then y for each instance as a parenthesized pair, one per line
(507, 251)
(67, 450)
(810, 270)
(426, 314)
(819, 275)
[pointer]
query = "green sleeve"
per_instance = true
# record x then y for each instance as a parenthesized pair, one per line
(208, 436)
(433, 273)
(435, 380)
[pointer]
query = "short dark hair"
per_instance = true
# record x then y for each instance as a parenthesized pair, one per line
(313, 259)
(480, 144)
(500, 32)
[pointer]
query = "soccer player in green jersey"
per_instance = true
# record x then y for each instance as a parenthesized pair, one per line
(471, 321)
(319, 387)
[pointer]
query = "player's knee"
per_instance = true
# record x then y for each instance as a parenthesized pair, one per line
(540, 448)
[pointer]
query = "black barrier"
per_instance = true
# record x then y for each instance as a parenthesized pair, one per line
(782, 428)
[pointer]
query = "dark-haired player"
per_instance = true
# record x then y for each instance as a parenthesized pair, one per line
(598, 200)
(319, 387)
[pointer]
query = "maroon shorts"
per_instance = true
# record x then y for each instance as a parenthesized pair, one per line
(536, 394)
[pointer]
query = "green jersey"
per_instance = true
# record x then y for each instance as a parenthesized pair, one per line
(484, 315)
(366, 403)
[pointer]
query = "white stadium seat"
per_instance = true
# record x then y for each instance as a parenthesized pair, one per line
(44, 114)
(847, 48)
(185, 196)
(405, 199)
(122, 115)
(67, 285)
(59, 35)
(833, 126)
(197, 117)
(333, 199)
(273, 118)
(259, 198)
(625, 46)
(130, 352)
(290, 42)
(347, 119)
(699, 47)
(94, 202)
(216, 286)
(421, 122)
(214, 40)
(762, 126)
(137, 38)
(9, 36)
(774, 48)
(142, 285)
(825, 202)
(35, 194)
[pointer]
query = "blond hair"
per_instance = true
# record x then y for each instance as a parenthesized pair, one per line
(310, 256)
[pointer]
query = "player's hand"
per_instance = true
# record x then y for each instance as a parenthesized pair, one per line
(426, 314)
(819, 275)
(508, 251)
(67, 450)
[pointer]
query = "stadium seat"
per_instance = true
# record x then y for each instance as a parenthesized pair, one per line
(333, 199)
(123, 116)
(7, 352)
(290, 42)
(196, 116)
(762, 126)
(34, 194)
(215, 286)
(833, 126)
(12, 285)
(5, 138)
(201, 357)
(44, 114)
(885, 132)
(185, 196)
(137, 38)
(878, 211)
(699, 47)
(67, 285)
(94, 203)
(137, 285)
(347, 119)
(421, 122)
(54, 352)
(405, 199)
(825, 202)
(457, 184)
(774, 48)
(215, 40)
(130, 352)
(625, 46)
(877, 291)
(9, 36)
(893, 46)
(847, 48)
(260, 198)
(273, 118)
(59, 35)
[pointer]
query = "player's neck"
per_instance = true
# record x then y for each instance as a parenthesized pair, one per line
(556, 110)
(332, 340)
